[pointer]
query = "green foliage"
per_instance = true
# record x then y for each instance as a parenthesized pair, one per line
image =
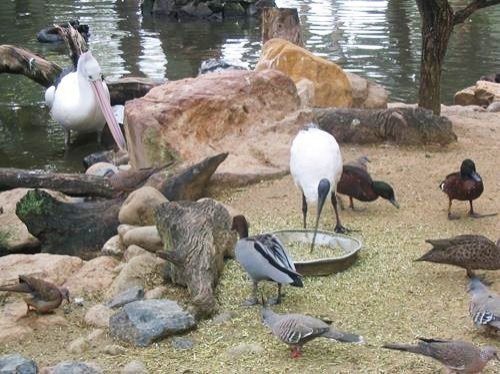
(31, 203)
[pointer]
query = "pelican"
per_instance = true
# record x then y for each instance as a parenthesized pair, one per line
(80, 102)
(316, 168)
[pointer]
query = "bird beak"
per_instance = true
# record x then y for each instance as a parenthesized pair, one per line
(394, 202)
(104, 104)
(476, 176)
(323, 191)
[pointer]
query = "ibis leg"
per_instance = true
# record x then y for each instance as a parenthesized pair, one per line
(338, 227)
(304, 210)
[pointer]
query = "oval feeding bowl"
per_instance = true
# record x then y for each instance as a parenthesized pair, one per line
(344, 250)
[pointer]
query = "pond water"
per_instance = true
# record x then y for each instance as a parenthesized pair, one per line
(377, 39)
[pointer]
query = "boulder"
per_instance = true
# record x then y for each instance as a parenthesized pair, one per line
(98, 316)
(367, 94)
(483, 93)
(74, 367)
(125, 297)
(102, 169)
(139, 207)
(241, 112)
(17, 364)
(136, 272)
(15, 324)
(133, 251)
(97, 274)
(332, 87)
(146, 237)
(54, 268)
(113, 247)
(145, 321)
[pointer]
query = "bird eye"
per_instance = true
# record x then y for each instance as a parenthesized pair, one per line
(90, 76)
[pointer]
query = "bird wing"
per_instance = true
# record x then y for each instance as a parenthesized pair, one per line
(355, 182)
(454, 354)
(297, 328)
(484, 307)
(459, 240)
(275, 255)
(40, 288)
(276, 249)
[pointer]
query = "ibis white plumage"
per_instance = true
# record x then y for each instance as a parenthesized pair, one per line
(80, 102)
(316, 168)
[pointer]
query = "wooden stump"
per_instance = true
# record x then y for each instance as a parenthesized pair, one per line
(283, 23)
(196, 236)
(75, 229)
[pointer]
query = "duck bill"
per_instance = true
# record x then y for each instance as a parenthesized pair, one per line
(394, 202)
(476, 176)
(104, 104)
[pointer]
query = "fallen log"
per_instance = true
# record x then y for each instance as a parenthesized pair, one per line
(72, 184)
(403, 126)
(75, 229)
(196, 236)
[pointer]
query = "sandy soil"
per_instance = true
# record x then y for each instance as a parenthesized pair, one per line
(385, 296)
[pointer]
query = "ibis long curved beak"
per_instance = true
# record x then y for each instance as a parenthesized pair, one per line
(104, 104)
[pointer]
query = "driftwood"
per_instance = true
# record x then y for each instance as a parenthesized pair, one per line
(74, 41)
(405, 126)
(281, 23)
(15, 60)
(196, 236)
(77, 229)
(189, 183)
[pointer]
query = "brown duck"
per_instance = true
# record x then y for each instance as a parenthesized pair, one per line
(43, 296)
(357, 183)
(467, 251)
(464, 185)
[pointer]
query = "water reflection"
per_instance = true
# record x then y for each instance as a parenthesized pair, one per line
(378, 39)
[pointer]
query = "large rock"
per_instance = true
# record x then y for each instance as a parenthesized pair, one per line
(146, 237)
(17, 364)
(97, 274)
(54, 268)
(332, 86)
(241, 112)
(136, 272)
(483, 93)
(139, 207)
(14, 236)
(15, 325)
(145, 321)
(367, 94)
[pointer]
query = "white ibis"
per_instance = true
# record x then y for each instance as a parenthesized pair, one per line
(80, 102)
(316, 168)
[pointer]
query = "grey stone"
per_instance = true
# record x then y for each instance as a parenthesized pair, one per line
(75, 367)
(125, 297)
(17, 364)
(182, 343)
(144, 321)
(233, 10)
(134, 367)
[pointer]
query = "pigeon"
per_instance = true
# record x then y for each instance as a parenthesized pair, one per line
(264, 257)
(456, 355)
(297, 329)
(43, 296)
(463, 185)
(467, 251)
(484, 307)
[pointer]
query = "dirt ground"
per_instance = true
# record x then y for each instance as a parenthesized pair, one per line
(385, 296)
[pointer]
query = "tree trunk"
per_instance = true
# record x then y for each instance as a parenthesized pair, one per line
(437, 25)
(196, 236)
(281, 23)
(75, 229)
